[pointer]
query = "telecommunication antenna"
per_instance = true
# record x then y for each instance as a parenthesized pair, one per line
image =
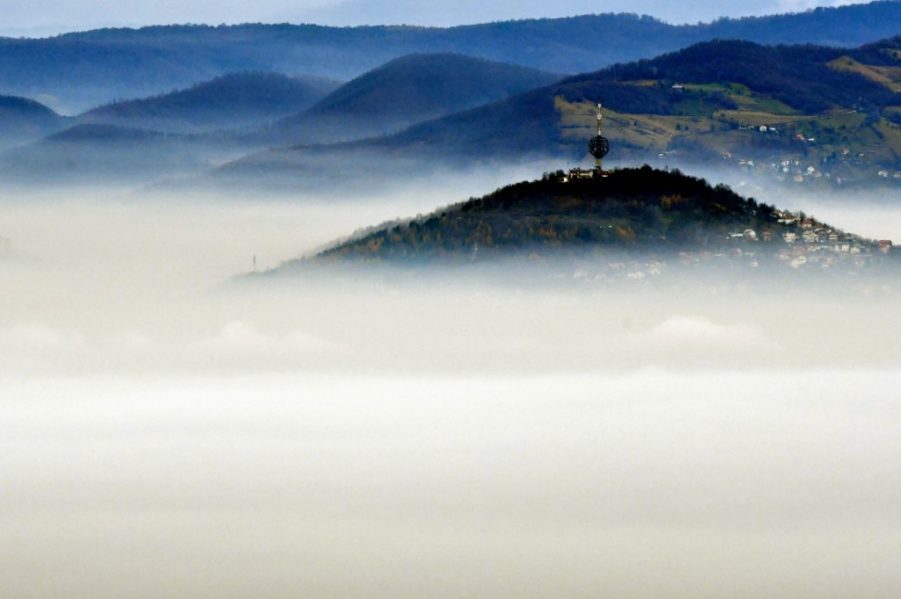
(599, 145)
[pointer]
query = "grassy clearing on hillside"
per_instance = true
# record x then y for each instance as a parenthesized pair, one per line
(839, 137)
(752, 118)
(887, 76)
(578, 121)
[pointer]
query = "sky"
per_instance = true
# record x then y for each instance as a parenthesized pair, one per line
(33, 18)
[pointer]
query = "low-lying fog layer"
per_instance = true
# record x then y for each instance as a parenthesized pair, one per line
(163, 436)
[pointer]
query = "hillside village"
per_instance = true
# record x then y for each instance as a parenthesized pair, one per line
(806, 245)
(818, 166)
(790, 239)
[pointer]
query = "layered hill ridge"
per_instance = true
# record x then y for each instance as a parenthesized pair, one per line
(207, 124)
(228, 102)
(405, 91)
(715, 81)
(794, 114)
(725, 102)
(94, 67)
(98, 154)
(24, 119)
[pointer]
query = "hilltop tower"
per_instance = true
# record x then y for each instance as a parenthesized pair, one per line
(599, 146)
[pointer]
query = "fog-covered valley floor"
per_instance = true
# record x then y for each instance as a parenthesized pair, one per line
(163, 434)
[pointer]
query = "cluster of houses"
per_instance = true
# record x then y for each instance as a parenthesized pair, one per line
(801, 171)
(807, 242)
(798, 243)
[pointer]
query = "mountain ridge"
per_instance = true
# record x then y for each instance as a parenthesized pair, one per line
(405, 91)
(229, 101)
(24, 119)
(90, 68)
(704, 104)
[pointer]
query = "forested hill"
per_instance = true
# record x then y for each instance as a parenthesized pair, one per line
(642, 209)
(87, 69)
(723, 78)
(800, 76)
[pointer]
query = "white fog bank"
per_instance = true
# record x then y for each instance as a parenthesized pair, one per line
(648, 485)
(164, 436)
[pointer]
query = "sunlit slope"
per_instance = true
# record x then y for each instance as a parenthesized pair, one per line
(889, 76)
(704, 102)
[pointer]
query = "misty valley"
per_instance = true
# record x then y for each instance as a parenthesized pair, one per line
(497, 310)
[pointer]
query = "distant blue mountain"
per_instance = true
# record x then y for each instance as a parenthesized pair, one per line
(93, 154)
(23, 120)
(226, 102)
(87, 69)
(405, 91)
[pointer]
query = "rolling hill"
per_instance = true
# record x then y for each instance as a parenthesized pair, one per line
(662, 219)
(227, 102)
(90, 68)
(95, 155)
(406, 91)
(783, 109)
(23, 120)
(201, 126)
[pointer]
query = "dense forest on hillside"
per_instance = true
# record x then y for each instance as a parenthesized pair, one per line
(799, 76)
(630, 208)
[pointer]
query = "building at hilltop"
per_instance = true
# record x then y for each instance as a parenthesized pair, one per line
(599, 147)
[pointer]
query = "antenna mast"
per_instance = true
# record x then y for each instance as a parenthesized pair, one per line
(599, 145)
(598, 161)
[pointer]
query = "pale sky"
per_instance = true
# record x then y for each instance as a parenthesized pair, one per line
(45, 17)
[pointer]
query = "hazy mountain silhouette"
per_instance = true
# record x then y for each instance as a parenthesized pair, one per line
(701, 104)
(193, 123)
(95, 67)
(230, 101)
(95, 154)
(23, 120)
(405, 91)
